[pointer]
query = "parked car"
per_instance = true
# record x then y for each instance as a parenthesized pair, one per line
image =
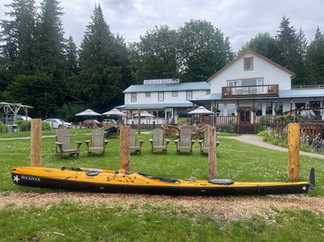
(57, 123)
(11, 118)
(90, 123)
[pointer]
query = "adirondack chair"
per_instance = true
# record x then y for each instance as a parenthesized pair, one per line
(186, 141)
(63, 144)
(97, 141)
(157, 141)
(204, 144)
(132, 142)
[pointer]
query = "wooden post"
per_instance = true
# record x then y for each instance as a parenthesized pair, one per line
(71, 125)
(36, 142)
(79, 125)
(124, 147)
(63, 125)
(293, 151)
(52, 124)
(139, 122)
(212, 159)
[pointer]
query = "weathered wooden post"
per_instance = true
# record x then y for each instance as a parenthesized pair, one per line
(36, 142)
(212, 158)
(124, 147)
(71, 125)
(293, 151)
(52, 124)
(63, 125)
(139, 122)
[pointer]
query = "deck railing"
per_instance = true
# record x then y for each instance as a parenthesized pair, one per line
(251, 91)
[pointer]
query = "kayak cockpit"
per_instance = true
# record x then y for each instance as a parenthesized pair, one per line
(161, 179)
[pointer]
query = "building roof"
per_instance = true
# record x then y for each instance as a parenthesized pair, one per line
(300, 93)
(186, 86)
(253, 53)
(153, 106)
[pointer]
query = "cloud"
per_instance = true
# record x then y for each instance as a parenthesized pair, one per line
(240, 20)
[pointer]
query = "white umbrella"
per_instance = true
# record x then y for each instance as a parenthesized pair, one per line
(144, 115)
(88, 112)
(114, 112)
(200, 110)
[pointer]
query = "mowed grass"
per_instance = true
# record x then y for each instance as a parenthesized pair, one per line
(67, 221)
(79, 222)
(235, 160)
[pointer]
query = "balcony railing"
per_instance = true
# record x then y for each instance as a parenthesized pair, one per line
(251, 91)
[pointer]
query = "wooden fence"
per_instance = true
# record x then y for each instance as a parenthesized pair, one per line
(312, 130)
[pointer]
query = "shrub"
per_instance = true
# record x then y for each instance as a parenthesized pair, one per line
(22, 125)
(264, 122)
(271, 135)
(226, 128)
(2, 127)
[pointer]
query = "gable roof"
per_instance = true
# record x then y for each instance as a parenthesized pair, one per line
(253, 53)
(186, 86)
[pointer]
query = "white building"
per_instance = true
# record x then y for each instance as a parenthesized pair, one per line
(254, 86)
(166, 99)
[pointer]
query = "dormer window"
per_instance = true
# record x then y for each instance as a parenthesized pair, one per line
(248, 63)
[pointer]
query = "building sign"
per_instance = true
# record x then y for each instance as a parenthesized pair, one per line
(161, 81)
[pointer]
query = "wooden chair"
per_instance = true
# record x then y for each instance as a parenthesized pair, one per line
(204, 144)
(132, 142)
(97, 141)
(63, 144)
(193, 129)
(157, 141)
(186, 141)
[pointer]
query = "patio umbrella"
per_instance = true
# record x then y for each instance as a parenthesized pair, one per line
(88, 112)
(144, 115)
(114, 112)
(200, 110)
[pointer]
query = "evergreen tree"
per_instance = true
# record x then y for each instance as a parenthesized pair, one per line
(202, 50)
(265, 45)
(154, 57)
(71, 55)
(292, 49)
(100, 73)
(50, 49)
(18, 36)
(315, 59)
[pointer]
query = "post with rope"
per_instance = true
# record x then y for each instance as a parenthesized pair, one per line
(293, 151)
(36, 143)
(212, 153)
(124, 147)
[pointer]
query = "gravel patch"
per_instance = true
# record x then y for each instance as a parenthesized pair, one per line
(228, 208)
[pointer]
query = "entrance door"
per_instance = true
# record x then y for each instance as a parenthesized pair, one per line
(245, 115)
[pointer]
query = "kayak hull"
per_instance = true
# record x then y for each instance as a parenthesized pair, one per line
(122, 182)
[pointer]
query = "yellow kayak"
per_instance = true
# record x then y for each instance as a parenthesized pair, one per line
(97, 180)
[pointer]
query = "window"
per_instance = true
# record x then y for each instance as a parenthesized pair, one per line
(248, 63)
(174, 94)
(279, 108)
(231, 109)
(147, 95)
(268, 108)
(258, 107)
(188, 95)
(134, 97)
(220, 109)
(161, 96)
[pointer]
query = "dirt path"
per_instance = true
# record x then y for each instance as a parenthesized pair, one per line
(229, 208)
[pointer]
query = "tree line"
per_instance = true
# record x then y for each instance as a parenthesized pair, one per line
(39, 67)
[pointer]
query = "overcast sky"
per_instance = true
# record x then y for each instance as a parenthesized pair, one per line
(240, 20)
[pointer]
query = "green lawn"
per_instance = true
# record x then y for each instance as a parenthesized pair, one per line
(145, 222)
